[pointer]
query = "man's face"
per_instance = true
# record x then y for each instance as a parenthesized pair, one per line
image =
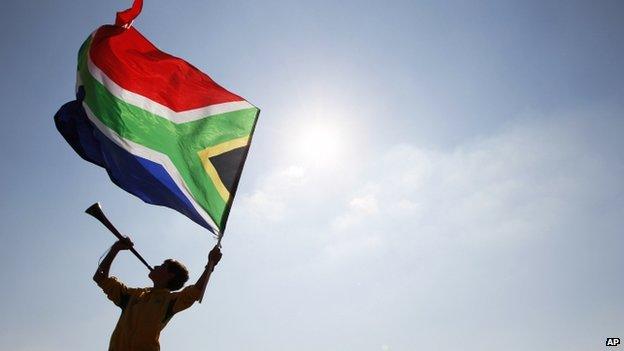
(160, 274)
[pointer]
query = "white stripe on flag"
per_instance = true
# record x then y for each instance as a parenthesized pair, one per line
(154, 156)
(159, 109)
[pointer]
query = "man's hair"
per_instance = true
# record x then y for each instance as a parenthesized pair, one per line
(180, 274)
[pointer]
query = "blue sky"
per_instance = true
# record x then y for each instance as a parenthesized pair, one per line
(425, 175)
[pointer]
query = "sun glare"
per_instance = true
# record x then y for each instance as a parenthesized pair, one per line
(319, 144)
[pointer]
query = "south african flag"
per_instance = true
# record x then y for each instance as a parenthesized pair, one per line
(163, 130)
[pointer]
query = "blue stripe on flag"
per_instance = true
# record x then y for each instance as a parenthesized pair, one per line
(147, 180)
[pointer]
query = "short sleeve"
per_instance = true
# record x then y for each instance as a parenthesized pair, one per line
(116, 291)
(185, 298)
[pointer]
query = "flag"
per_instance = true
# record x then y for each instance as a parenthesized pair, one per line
(163, 130)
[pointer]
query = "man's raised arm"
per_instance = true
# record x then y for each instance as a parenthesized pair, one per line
(213, 258)
(104, 267)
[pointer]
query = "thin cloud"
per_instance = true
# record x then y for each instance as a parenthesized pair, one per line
(522, 182)
(271, 198)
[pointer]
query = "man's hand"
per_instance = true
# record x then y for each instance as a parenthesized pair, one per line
(102, 271)
(122, 244)
(214, 256)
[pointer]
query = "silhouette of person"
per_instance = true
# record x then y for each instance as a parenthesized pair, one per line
(146, 311)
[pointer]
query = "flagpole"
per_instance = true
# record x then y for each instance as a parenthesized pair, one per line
(219, 240)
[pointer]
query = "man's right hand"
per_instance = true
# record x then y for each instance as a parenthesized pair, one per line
(102, 271)
(123, 244)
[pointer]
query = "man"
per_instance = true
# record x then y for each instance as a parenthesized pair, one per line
(146, 311)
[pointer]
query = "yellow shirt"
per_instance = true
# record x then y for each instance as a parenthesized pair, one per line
(144, 313)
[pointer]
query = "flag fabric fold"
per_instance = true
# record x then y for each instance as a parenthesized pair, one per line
(163, 130)
(125, 18)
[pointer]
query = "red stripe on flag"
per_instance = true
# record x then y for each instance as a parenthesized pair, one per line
(135, 64)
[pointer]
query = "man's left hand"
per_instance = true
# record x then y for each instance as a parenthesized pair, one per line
(214, 256)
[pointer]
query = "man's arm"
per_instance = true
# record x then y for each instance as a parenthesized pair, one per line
(104, 267)
(213, 258)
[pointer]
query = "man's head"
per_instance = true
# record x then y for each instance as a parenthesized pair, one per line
(171, 274)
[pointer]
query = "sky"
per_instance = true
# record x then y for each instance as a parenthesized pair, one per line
(435, 175)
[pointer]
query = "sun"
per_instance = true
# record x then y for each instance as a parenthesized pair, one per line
(319, 144)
